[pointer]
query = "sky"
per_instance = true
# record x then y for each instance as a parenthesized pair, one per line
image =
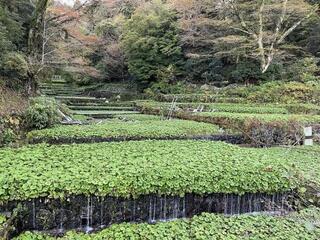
(69, 2)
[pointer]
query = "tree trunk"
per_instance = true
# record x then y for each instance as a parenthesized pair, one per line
(35, 41)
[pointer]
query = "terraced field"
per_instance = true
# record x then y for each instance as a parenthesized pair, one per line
(160, 167)
(83, 105)
(119, 130)
(86, 185)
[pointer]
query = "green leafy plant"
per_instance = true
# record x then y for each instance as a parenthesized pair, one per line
(160, 167)
(151, 128)
(41, 113)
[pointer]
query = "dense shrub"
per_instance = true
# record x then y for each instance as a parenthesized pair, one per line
(7, 135)
(291, 92)
(41, 113)
(303, 70)
(272, 92)
(273, 133)
(2, 226)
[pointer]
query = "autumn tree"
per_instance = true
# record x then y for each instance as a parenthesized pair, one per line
(262, 27)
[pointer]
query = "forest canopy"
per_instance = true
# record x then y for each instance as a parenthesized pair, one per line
(158, 41)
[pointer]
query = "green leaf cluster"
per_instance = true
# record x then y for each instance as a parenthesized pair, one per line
(148, 129)
(132, 169)
(219, 107)
(236, 107)
(42, 113)
(242, 117)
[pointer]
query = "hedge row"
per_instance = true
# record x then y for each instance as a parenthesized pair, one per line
(237, 108)
(303, 225)
(138, 117)
(211, 98)
(240, 118)
(258, 129)
(216, 107)
(132, 169)
(113, 130)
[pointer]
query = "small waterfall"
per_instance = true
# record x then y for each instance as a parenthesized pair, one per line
(225, 201)
(91, 213)
(34, 217)
(101, 212)
(133, 215)
(61, 230)
(163, 209)
(175, 211)
(86, 217)
(152, 209)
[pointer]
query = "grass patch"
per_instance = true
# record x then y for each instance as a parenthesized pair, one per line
(151, 167)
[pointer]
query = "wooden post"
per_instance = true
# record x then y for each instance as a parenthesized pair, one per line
(308, 141)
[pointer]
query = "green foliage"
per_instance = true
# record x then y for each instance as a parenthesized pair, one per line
(7, 136)
(274, 92)
(41, 113)
(139, 117)
(149, 129)
(219, 107)
(242, 117)
(3, 220)
(151, 42)
(200, 98)
(262, 125)
(15, 66)
(291, 92)
(304, 70)
(288, 109)
(14, 19)
(144, 167)
(295, 226)
(166, 87)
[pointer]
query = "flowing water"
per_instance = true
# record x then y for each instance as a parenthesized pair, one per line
(93, 213)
